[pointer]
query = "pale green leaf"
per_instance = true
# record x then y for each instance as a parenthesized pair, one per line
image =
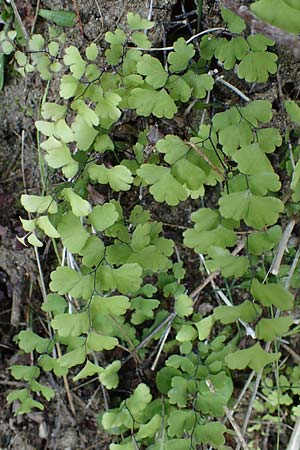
(164, 186)
(136, 22)
(181, 56)
(103, 216)
(272, 294)
(254, 357)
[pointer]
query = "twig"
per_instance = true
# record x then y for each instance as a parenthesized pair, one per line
(163, 49)
(19, 20)
(229, 416)
(213, 275)
(78, 16)
(291, 352)
(163, 341)
(256, 25)
(233, 88)
(35, 16)
(206, 159)
(274, 269)
(293, 268)
(148, 338)
(294, 442)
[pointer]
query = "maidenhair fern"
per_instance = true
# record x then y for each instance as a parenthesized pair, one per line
(118, 270)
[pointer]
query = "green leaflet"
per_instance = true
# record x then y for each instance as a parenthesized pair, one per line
(293, 111)
(136, 22)
(181, 56)
(272, 294)
(255, 210)
(254, 357)
(148, 101)
(151, 68)
(73, 233)
(208, 230)
(65, 280)
(118, 177)
(281, 13)
(164, 186)
(270, 329)
(246, 311)
(103, 216)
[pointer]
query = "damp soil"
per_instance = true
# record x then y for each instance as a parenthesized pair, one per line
(57, 428)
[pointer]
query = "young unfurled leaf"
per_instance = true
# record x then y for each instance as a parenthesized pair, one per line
(255, 210)
(148, 101)
(272, 294)
(254, 357)
(136, 22)
(103, 216)
(118, 177)
(164, 187)
(73, 59)
(181, 56)
(152, 69)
